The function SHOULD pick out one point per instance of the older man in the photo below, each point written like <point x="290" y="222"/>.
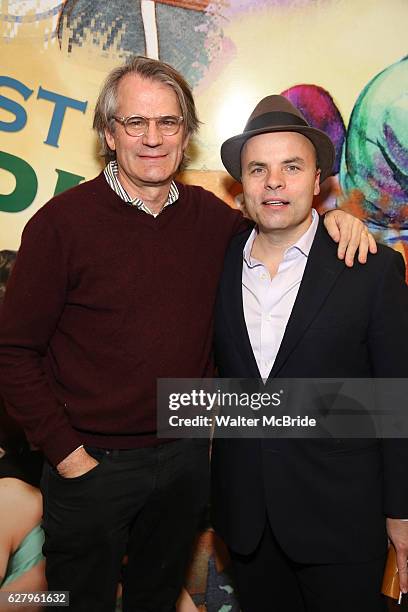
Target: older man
<point x="305" y="519"/>
<point x="114" y="286"/>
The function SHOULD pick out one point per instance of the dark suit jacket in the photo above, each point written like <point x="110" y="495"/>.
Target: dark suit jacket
<point x="326" y="499"/>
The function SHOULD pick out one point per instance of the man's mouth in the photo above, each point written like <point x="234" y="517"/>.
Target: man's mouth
<point x="152" y="156"/>
<point x="275" y="203"/>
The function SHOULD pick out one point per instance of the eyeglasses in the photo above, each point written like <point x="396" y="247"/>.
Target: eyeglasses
<point x="136" y="125"/>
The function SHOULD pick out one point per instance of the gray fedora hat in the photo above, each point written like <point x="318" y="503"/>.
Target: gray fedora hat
<point x="277" y="114"/>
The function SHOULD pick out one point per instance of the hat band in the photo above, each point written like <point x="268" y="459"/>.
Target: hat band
<point x="274" y="120"/>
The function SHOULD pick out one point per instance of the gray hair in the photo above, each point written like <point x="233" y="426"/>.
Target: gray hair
<point x="146" y="68"/>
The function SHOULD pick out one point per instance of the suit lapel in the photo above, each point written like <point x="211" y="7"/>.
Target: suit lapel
<point x="321" y="272"/>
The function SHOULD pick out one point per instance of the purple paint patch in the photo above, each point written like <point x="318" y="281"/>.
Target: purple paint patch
<point x="243" y="7"/>
<point x="321" y="112"/>
<point x="396" y="149"/>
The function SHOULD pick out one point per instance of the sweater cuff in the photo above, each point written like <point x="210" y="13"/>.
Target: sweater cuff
<point x="61" y="445"/>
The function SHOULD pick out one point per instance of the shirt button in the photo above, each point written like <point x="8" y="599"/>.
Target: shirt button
<point x="263" y="276"/>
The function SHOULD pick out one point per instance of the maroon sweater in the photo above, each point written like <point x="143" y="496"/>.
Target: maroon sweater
<point x="103" y="300"/>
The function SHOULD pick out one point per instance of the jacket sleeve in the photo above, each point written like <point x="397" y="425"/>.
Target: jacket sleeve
<point x="388" y="338"/>
<point x="33" y="304"/>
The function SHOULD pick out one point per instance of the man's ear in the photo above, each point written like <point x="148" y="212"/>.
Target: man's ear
<point x="316" y="190"/>
<point x="110" y="139"/>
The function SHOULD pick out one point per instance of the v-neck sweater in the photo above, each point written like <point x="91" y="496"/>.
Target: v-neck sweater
<point x="103" y="300"/>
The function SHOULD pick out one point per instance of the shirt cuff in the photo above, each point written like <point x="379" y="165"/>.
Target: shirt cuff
<point x="82" y="446"/>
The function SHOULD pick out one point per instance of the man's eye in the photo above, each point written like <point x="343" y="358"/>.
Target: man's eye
<point x="258" y="170"/>
<point x="136" y="121"/>
<point x="292" y="168"/>
<point x="168" y="121"/>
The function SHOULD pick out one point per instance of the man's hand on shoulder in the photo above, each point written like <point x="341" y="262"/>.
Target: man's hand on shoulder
<point x="77" y="463"/>
<point x="397" y="530"/>
<point x="351" y="234"/>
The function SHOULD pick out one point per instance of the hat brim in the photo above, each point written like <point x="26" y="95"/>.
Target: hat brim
<point x="231" y="148"/>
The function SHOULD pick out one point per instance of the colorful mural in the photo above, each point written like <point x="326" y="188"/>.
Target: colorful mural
<point x="374" y="168"/>
<point x="179" y="32"/>
<point x="233" y="52"/>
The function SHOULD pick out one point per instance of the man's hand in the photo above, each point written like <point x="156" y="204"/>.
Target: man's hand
<point x="77" y="463"/>
<point x="398" y="533"/>
<point x="351" y="234"/>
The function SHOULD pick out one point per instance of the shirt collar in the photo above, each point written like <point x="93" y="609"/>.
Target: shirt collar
<point x="111" y="173"/>
<point x="303" y="245"/>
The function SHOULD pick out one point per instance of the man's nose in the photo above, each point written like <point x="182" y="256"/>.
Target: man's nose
<point x="274" y="179"/>
<point x="153" y="137"/>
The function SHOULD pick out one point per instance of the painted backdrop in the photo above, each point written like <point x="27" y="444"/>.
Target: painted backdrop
<point x="342" y="61"/>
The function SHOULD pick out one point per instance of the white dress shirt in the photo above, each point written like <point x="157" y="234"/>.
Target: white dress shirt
<point x="268" y="302"/>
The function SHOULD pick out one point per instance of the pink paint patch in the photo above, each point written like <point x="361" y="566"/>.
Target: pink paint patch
<point x="233" y="8"/>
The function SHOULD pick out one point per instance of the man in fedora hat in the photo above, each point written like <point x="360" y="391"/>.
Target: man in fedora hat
<point x="306" y="521"/>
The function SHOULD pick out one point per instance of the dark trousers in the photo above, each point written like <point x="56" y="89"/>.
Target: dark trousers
<point x="268" y="580"/>
<point x="143" y="503"/>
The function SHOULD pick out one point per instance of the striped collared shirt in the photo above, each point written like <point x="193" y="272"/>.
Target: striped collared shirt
<point x="111" y="174"/>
